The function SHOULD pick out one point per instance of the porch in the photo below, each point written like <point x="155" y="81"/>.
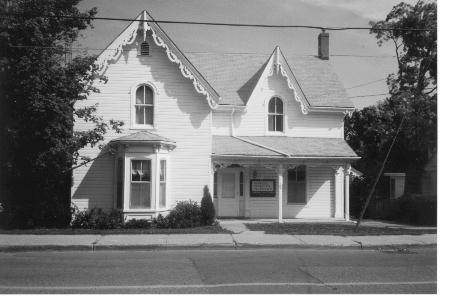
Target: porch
<point x="280" y="177"/>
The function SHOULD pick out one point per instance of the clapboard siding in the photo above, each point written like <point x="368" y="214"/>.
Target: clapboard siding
<point x="253" y="122"/>
<point x="181" y="114"/>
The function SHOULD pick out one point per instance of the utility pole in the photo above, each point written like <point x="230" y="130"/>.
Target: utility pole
<point x="365" y="206"/>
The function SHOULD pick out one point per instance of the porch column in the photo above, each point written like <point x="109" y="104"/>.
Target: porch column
<point x="339" y="192"/>
<point x="347" y="180"/>
<point x="280" y="172"/>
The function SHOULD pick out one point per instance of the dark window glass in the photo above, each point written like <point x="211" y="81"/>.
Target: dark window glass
<point x="241" y="183"/>
<point x="297" y="185"/>
<point x="275" y="115"/>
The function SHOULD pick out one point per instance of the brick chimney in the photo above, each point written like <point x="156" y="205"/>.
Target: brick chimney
<point x="323" y="45"/>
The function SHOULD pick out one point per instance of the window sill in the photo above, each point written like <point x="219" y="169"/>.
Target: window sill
<point x="268" y="133"/>
<point x="144" y="211"/>
<point x="143" y="127"/>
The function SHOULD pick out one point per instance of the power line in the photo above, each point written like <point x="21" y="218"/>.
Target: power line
<point x="230" y="53"/>
<point x="366" y="83"/>
<point x="364" y="96"/>
<point x="5" y="15"/>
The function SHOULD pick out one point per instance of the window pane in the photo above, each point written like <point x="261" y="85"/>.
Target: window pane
<point x="292" y="175"/>
<point x="140" y="114"/>
<point x="146" y="170"/>
<point x="162" y="187"/>
<point x="139" y="95"/>
<point x="291" y="192"/>
<point x="148" y="115"/>
<point x="148" y="95"/>
<point x="135" y="168"/>
<point x="163" y="170"/>
<point x="279" y="123"/>
<point x="241" y="183"/>
<point x="301" y="173"/>
<point x="140" y="196"/>
<point x="119" y="174"/>
<point x="296" y="192"/>
<point x="271" y="105"/>
<point x="279" y="106"/>
<point x="271" y="122"/>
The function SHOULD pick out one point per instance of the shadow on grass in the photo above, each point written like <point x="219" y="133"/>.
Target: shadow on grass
<point x="332" y="229"/>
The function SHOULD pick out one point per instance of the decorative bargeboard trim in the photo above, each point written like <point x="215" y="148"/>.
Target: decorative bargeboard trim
<point x="129" y="36"/>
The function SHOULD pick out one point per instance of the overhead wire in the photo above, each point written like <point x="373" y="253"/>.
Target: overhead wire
<point x="10" y="14"/>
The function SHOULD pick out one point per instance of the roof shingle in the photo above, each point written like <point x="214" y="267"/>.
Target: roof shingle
<point x="293" y="146"/>
<point x="234" y="76"/>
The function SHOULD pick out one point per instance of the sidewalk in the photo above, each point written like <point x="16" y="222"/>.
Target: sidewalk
<point x="245" y="239"/>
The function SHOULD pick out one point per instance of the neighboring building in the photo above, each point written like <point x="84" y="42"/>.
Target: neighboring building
<point x="265" y="135"/>
<point x="396" y="185"/>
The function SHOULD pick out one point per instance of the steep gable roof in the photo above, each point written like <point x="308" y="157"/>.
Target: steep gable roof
<point x="235" y="76"/>
<point x="230" y="79"/>
<point x="146" y="23"/>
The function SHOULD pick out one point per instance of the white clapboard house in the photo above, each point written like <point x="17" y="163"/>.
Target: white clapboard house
<point x="263" y="132"/>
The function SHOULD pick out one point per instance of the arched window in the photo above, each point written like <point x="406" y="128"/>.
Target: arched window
<point x="144" y="105"/>
<point x="275" y="115"/>
<point x="145" y="49"/>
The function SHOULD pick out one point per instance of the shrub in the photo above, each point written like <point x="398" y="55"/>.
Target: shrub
<point x="80" y="220"/>
<point x="407" y="209"/>
<point x="207" y="208"/>
<point x="96" y="219"/>
<point x="185" y="214"/>
<point x="161" y="222"/>
<point x="138" y="223"/>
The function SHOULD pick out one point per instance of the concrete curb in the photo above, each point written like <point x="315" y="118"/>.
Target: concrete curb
<point x="200" y="247"/>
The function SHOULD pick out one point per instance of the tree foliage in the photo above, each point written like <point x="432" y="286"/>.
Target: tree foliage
<point x="412" y="95"/>
<point x="39" y="91"/>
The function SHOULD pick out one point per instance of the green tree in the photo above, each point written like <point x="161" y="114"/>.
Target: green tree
<point x="39" y="91"/>
<point x="412" y="96"/>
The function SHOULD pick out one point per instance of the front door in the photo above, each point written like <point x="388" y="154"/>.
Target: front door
<point x="228" y="203"/>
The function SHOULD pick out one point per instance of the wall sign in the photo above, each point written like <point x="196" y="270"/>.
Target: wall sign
<point x="262" y="188"/>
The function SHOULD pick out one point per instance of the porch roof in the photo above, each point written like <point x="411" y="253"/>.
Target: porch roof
<point x="143" y="137"/>
<point x="281" y="146"/>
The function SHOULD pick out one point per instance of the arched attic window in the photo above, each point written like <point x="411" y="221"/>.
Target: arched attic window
<point x="275" y="115"/>
<point x="144" y="106"/>
<point x="145" y="48"/>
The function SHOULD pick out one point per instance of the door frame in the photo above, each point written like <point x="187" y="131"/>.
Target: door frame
<point x="237" y="197"/>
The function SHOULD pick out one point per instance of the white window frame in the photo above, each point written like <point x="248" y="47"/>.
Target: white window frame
<point x="159" y="158"/>
<point x="284" y="117"/>
<point x="133" y="90"/>
<point x="155" y="158"/>
<point x="306" y="170"/>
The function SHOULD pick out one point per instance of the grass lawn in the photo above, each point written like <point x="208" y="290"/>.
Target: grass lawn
<point x="331" y="229"/>
<point x="201" y="229"/>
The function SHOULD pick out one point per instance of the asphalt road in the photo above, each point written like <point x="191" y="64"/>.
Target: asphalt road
<point x="220" y="271"/>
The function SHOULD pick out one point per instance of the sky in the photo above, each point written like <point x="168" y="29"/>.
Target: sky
<point x="359" y="59"/>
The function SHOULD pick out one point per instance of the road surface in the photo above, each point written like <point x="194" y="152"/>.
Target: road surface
<point x="220" y="271"/>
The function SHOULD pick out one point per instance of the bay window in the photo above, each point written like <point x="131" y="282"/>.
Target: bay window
<point x="140" y="195"/>
<point x="162" y="183"/>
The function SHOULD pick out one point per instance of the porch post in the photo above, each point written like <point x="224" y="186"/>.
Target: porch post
<point x="347" y="180"/>
<point x="280" y="172"/>
<point x="339" y="188"/>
